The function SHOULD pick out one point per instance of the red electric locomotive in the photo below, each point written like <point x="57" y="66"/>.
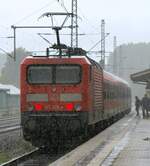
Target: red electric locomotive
<point x="68" y="95"/>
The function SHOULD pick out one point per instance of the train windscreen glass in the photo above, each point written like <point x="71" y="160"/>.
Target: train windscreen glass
<point x="40" y="74"/>
<point x="67" y="74"/>
<point x="54" y="74"/>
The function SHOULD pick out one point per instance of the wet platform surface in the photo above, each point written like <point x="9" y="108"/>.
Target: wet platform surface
<point x="125" y="143"/>
<point x="137" y="150"/>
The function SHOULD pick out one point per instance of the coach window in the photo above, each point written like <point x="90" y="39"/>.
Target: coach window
<point x="122" y="92"/>
<point x="104" y="94"/>
<point x="108" y="91"/>
<point x="105" y="91"/>
<point x="118" y="92"/>
<point x="112" y="92"/>
<point x="90" y="72"/>
<point x="115" y="92"/>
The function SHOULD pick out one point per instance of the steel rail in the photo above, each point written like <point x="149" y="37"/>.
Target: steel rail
<point x="22" y="158"/>
<point x="9" y="125"/>
<point x="9" y="118"/>
<point x="9" y="129"/>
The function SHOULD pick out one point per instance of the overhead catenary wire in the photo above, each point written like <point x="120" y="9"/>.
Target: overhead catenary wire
<point x="81" y="34"/>
<point x="6" y="52"/>
<point x="98" y="42"/>
<point x="88" y="21"/>
<point x="34" y="12"/>
<point x="6" y="37"/>
<point x="61" y="3"/>
<point x="81" y="29"/>
<point x="91" y="25"/>
<point x="3" y="27"/>
<point x="44" y="38"/>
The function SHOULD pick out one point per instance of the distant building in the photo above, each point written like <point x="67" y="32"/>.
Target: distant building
<point x="9" y="99"/>
<point x="142" y="77"/>
<point x="12" y="90"/>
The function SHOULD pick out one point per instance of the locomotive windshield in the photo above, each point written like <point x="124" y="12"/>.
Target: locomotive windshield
<point x="67" y="74"/>
<point x="54" y="74"/>
<point x="40" y="74"/>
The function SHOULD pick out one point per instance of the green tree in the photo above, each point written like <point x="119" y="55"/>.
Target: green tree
<point x="11" y="71"/>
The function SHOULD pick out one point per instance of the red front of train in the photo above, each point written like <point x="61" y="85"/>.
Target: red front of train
<point x="55" y="96"/>
<point x="67" y="96"/>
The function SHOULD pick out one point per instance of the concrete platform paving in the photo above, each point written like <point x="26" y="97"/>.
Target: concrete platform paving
<point x="125" y="143"/>
<point x="137" y="150"/>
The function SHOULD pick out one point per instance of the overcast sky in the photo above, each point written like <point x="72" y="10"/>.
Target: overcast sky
<point x="129" y="20"/>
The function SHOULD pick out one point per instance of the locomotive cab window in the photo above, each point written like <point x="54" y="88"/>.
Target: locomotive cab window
<point x="67" y="74"/>
<point x="54" y="74"/>
<point x="40" y="74"/>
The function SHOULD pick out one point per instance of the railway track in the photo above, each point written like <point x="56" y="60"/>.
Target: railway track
<point x="42" y="156"/>
<point x="9" y="128"/>
<point x="9" y="124"/>
<point x="9" y="119"/>
<point x="37" y="157"/>
<point x="17" y="161"/>
<point x="94" y="151"/>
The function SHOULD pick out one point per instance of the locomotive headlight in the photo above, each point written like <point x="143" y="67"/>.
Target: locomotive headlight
<point x="78" y="107"/>
<point x="69" y="106"/>
<point x="38" y="107"/>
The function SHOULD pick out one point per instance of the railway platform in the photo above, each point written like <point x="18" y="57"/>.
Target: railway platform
<point x="136" y="152"/>
<point x="125" y="143"/>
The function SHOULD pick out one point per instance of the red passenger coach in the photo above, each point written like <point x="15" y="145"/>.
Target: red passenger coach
<point x="68" y="96"/>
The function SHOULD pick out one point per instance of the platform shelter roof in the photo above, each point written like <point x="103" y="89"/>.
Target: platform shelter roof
<point x="10" y="89"/>
<point x="142" y="76"/>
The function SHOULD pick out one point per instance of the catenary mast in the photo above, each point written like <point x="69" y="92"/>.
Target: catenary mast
<point x="102" y="62"/>
<point x="74" y="25"/>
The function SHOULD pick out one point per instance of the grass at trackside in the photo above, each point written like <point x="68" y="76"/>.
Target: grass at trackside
<point x="16" y="149"/>
<point x="3" y="157"/>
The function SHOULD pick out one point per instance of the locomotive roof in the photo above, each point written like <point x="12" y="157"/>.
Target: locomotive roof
<point x="88" y="59"/>
<point x="107" y="75"/>
<point x="83" y="60"/>
<point x="114" y="78"/>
